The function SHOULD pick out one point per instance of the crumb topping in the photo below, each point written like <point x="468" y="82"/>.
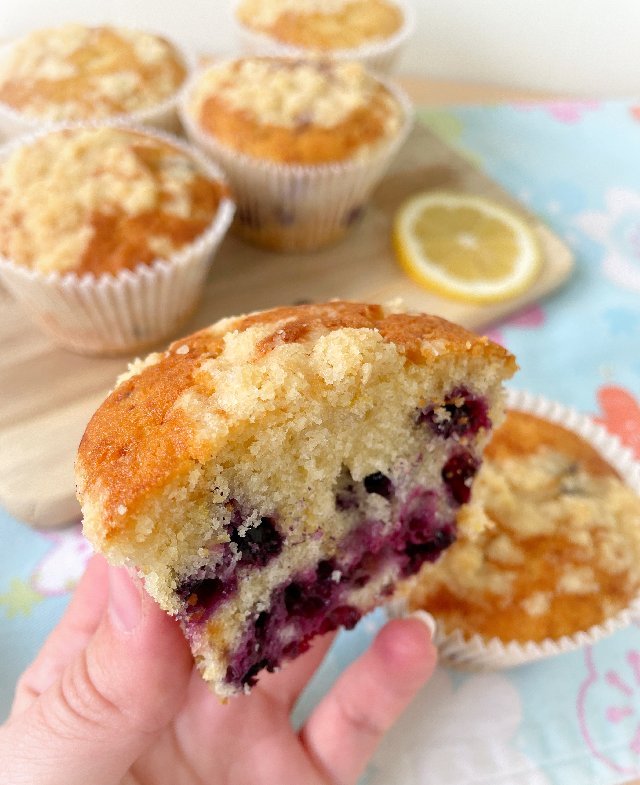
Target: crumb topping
<point x="562" y="551"/>
<point x="184" y="403"/>
<point x="73" y="72"/>
<point x="121" y="198"/>
<point x="293" y="93"/>
<point x="323" y="24"/>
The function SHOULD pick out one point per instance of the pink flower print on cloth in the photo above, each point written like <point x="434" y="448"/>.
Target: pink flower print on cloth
<point x="621" y="416"/>
<point x="608" y="707"/>
<point x="563" y="111"/>
<point x="617" y="229"/>
<point x="62" y="566"/>
<point x="527" y="319"/>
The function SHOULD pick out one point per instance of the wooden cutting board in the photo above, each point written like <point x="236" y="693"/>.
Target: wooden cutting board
<point x="47" y="395"/>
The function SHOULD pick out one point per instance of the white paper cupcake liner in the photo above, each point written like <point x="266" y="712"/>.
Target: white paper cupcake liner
<point x="163" y="115"/>
<point x="297" y="207"/>
<point x="478" y="653"/>
<point x="133" y="309"/>
<point x="381" y="56"/>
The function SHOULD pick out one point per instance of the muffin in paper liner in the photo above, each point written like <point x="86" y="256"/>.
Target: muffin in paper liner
<point x="481" y="653"/>
<point x="111" y="314"/>
<point x="162" y="115"/>
<point x="380" y="56"/>
<point x="297" y="207"/>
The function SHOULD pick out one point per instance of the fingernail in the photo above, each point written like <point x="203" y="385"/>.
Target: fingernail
<point x="125" y="599"/>
<point x="427" y="619"/>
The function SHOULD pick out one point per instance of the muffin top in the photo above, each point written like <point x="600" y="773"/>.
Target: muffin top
<point x="177" y="410"/>
<point x="99" y="200"/>
<point x="295" y="111"/>
<point x="75" y="72"/>
<point x="560" y="551"/>
<point x="323" y="25"/>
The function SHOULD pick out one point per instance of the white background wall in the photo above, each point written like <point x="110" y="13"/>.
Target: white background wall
<point x="578" y="46"/>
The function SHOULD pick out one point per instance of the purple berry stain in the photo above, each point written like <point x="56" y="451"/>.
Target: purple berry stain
<point x="457" y="474"/>
<point x="201" y="596"/>
<point x="259" y="544"/>
<point x="317" y="601"/>
<point x="462" y="414"/>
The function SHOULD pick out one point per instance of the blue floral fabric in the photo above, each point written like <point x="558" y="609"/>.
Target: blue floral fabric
<point x="570" y="720"/>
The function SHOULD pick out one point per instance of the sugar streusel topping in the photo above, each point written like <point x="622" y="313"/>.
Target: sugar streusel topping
<point x="262" y="13"/>
<point x="100" y="199"/>
<point x="561" y="554"/>
<point x="322" y="24"/>
<point x="74" y="72"/>
<point x="287" y="93"/>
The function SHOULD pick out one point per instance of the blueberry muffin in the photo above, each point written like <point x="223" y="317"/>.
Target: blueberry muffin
<point x="559" y="551"/>
<point x="272" y="477"/>
<point x="135" y="219"/>
<point x="303" y="141"/>
<point x="367" y="30"/>
<point x="74" y="72"/>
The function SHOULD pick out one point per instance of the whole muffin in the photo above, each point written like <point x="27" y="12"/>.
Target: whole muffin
<point x="303" y="141"/>
<point x="272" y="476"/>
<point x="107" y="232"/>
<point x="370" y="31"/>
<point x="558" y="555"/>
<point x="75" y="72"/>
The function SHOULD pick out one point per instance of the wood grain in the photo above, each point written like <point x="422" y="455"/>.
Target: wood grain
<point x="47" y="394"/>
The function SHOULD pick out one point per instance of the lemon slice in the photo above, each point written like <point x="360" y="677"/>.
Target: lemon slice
<point x="466" y="247"/>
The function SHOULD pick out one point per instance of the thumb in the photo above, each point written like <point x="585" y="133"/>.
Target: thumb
<point x="109" y="702"/>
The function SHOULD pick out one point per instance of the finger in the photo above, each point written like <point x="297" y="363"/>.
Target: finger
<point x="344" y="730"/>
<point x="109" y="703"/>
<point x="70" y="637"/>
<point x="285" y="685"/>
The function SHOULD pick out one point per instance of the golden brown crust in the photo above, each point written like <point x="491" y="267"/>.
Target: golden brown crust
<point x="413" y="334"/>
<point x="121" y="242"/>
<point x="123" y="198"/>
<point x="311" y="30"/>
<point x="101" y="56"/>
<point x="572" y="566"/>
<point x="523" y="434"/>
<point x="345" y="25"/>
<point x="137" y="441"/>
<point x="303" y="145"/>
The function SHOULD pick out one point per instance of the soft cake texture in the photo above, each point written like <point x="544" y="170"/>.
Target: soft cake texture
<point x="272" y="476"/>
<point x="75" y="72"/>
<point x="559" y="549"/>
<point x="322" y="25"/>
<point x="122" y="198"/>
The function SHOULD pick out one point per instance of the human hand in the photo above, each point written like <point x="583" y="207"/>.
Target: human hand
<point x="113" y="698"/>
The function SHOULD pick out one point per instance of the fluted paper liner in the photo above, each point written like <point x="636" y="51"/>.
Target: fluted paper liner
<point x="381" y="56"/>
<point x="162" y="116"/>
<point x="478" y="653"/>
<point x="133" y="309"/>
<point x="297" y="207"/>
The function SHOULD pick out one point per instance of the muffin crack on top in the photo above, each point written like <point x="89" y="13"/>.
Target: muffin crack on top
<point x="274" y="475"/>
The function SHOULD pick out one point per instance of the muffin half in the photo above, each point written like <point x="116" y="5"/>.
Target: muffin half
<point x="272" y="476"/>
